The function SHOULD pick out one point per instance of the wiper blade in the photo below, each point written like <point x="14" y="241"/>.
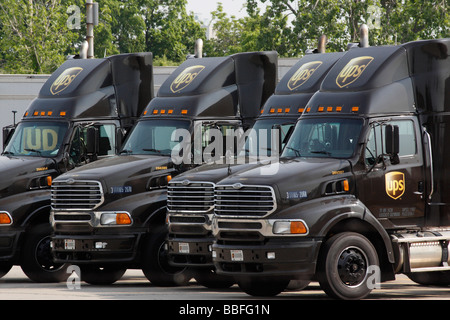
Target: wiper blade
<point x="297" y="152"/>
<point x="152" y="150"/>
<point x="125" y="151"/>
<point x="322" y="152"/>
<point x="33" y="150"/>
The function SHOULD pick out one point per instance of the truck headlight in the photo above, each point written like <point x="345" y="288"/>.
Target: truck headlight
<point x="290" y="227"/>
<point x="115" y="218"/>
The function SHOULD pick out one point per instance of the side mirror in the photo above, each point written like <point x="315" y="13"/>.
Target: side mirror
<point x="92" y="139"/>
<point x="392" y="142"/>
<point x="7" y="134"/>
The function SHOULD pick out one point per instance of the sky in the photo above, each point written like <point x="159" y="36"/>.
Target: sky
<point x="203" y="8"/>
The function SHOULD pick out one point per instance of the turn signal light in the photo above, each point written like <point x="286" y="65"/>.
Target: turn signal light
<point x="123" y="218"/>
<point x="5" y="218"/>
<point x="298" y="227"/>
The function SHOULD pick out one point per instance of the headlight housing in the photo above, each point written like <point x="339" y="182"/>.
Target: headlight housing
<point x="116" y="218"/>
<point x="290" y="227"/>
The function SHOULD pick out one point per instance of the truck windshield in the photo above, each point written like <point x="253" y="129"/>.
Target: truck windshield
<point x="324" y="137"/>
<point x="37" y="139"/>
<point x="260" y="141"/>
<point x="153" y="137"/>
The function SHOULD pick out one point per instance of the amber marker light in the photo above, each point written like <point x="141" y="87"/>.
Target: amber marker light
<point x="62" y="113"/>
<point x="184" y="111"/>
<point x="123" y="219"/>
<point x="345" y="185"/>
<point x="5" y="218"/>
<point x="49" y="180"/>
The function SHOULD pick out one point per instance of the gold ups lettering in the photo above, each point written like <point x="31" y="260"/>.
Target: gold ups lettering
<point x="65" y="79"/>
<point x="353" y="70"/>
<point x="303" y="74"/>
<point x="185" y="78"/>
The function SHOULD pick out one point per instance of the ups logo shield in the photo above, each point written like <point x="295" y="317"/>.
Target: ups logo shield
<point x="353" y="70"/>
<point x="395" y="184"/>
<point x="185" y="78"/>
<point x="65" y="79"/>
<point x="303" y="74"/>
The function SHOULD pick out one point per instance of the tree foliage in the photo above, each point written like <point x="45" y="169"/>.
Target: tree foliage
<point x="35" y="36"/>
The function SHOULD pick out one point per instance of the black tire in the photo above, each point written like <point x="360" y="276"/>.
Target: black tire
<point x="263" y="287"/>
<point x="4" y="268"/>
<point x="36" y="259"/>
<point x="210" y="279"/>
<point x="156" y="265"/>
<point x="435" y="278"/>
<point x="98" y="275"/>
<point x="343" y="266"/>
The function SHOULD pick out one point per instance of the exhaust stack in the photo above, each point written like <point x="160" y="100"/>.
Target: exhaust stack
<point x="364" y="36"/>
<point x="198" y="49"/>
<point x="322" y="44"/>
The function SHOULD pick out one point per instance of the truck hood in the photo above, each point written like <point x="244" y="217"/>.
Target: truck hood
<point x="214" y="172"/>
<point x="18" y="172"/>
<point x="294" y="179"/>
<point x="119" y="171"/>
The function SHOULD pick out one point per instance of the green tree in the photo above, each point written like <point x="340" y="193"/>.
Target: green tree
<point x="34" y="37"/>
<point x="169" y="30"/>
<point x="391" y="21"/>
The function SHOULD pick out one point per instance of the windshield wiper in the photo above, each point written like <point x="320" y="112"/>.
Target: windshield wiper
<point x="33" y="150"/>
<point x="125" y="151"/>
<point x="297" y="152"/>
<point x="152" y="150"/>
<point x="322" y="152"/>
<point x="8" y="152"/>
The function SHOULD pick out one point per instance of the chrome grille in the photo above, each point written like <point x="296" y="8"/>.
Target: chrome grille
<point x="244" y="200"/>
<point x="186" y="196"/>
<point x="76" y="195"/>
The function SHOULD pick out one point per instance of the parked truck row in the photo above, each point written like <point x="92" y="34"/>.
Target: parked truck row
<point x="360" y="191"/>
<point x="347" y="184"/>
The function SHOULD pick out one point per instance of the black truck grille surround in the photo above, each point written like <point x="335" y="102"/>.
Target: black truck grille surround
<point x="190" y="197"/>
<point x="76" y="195"/>
<point x="244" y="200"/>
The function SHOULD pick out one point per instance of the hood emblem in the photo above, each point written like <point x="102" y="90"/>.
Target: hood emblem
<point x="237" y="186"/>
<point x="70" y="181"/>
<point x="185" y="182"/>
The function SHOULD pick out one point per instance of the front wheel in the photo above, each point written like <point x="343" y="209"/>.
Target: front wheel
<point x="37" y="261"/>
<point x="344" y="265"/>
<point x="156" y="265"/>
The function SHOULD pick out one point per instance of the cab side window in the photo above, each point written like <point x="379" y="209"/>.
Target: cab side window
<point x="106" y="143"/>
<point x="376" y="147"/>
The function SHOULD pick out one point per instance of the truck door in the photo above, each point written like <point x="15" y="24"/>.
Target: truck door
<point x="393" y="189"/>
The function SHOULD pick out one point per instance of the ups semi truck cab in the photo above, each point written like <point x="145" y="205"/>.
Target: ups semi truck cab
<point x="117" y="218"/>
<point x="81" y="114"/>
<point x="361" y="193"/>
<point x="191" y="194"/>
